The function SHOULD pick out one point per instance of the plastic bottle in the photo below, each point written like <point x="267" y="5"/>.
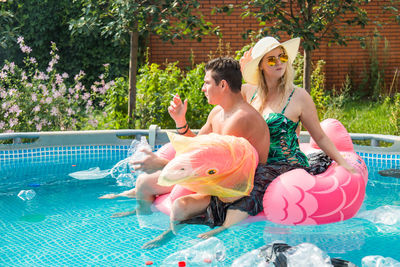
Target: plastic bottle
<point x="138" y="154"/>
<point x="123" y="171"/>
<point x="26" y="194"/>
<point x="211" y="251"/>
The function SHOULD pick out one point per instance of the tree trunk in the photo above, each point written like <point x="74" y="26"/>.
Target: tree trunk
<point x="307" y="71"/>
<point x="134" y="35"/>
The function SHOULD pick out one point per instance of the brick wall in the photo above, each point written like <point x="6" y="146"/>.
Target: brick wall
<point x="340" y="60"/>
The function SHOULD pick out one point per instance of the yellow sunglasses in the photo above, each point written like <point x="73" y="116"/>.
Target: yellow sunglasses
<point x="283" y="58"/>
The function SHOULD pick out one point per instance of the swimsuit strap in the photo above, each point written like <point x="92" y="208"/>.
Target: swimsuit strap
<point x="287" y="103"/>
<point x="252" y="98"/>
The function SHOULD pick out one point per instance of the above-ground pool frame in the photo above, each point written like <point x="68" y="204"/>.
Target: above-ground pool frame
<point x="12" y="142"/>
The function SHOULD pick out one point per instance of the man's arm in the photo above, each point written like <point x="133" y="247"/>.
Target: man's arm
<point x="207" y="127"/>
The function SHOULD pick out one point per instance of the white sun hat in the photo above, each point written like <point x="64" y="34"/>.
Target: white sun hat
<point x="262" y="47"/>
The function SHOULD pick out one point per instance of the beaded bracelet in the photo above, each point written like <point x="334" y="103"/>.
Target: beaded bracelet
<point x="187" y="129"/>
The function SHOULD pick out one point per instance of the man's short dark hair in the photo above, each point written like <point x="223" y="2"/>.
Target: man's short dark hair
<point x="228" y="69"/>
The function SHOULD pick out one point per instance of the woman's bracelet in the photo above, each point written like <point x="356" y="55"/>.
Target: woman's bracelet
<point x="184" y="126"/>
<point x="187" y="129"/>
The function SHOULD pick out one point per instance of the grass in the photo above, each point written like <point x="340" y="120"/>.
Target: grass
<point x="364" y="116"/>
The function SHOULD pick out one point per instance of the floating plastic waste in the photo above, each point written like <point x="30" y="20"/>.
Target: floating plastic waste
<point x="26" y="194"/>
<point x="210" y="252"/>
<point x="388" y="214"/>
<point x="281" y="254"/>
<point x="90" y="174"/>
<point x="122" y="171"/>
<point x="250" y="259"/>
<point x="379" y="261"/>
<point x="307" y="254"/>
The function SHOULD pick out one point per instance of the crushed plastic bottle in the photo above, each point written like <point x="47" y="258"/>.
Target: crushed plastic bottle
<point x="126" y="179"/>
<point x="132" y="147"/>
<point x="138" y="153"/>
<point x="212" y="251"/>
<point x="307" y="254"/>
<point x="251" y="259"/>
<point x="123" y="172"/>
<point x="281" y="254"/>
<point x="379" y="261"/>
<point x="26" y="194"/>
<point x="90" y="174"/>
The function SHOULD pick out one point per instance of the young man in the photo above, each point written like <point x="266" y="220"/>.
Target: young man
<point x="232" y="115"/>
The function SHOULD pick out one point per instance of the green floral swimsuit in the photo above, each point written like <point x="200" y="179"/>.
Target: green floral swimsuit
<point x="284" y="144"/>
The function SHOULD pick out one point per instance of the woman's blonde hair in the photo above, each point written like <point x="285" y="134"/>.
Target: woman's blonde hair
<point x="285" y="83"/>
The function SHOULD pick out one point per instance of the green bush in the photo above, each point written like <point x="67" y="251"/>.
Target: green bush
<point x="115" y="114"/>
<point x="317" y="92"/>
<point x="43" y="22"/>
<point x="35" y="100"/>
<point x="156" y="87"/>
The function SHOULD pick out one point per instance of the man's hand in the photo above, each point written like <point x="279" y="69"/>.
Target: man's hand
<point x="151" y="162"/>
<point x="177" y="110"/>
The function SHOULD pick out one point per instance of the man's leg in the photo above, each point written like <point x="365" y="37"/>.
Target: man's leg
<point x="183" y="208"/>
<point x="146" y="191"/>
<point x="131" y="193"/>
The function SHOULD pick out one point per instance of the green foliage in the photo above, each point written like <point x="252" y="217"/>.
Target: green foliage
<point x="311" y="20"/>
<point x="320" y="98"/>
<point x="298" y="65"/>
<point x="35" y="100"/>
<point x="373" y="77"/>
<point x="198" y="107"/>
<point x="168" y="19"/>
<point x="7" y="26"/>
<point x="338" y="99"/>
<point x="117" y="18"/>
<point x="393" y="8"/>
<point x="317" y="92"/>
<point x="43" y="22"/>
<point x="115" y="114"/>
<point x="365" y="116"/>
<point x="393" y="105"/>
<point x="156" y="87"/>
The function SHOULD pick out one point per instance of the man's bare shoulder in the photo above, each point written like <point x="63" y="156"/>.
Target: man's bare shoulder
<point x="247" y="116"/>
<point x="248" y="111"/>
<point x="214" y="111"/>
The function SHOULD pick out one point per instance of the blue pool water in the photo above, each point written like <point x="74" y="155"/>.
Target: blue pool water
<point x="66" y="224"/>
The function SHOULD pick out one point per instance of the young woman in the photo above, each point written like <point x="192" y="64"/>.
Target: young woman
<point x="267" y="69"/>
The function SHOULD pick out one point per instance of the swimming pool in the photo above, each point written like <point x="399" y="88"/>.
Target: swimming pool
<point x="65" y="223"/>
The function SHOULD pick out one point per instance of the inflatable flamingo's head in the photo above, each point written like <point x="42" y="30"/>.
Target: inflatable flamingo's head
<point x="335" y="130"/>
<point x="212" y="164"/>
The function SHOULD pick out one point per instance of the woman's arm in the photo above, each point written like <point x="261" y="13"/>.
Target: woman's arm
<point x="248" y="90"/>
<point x="309" y="119"/>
